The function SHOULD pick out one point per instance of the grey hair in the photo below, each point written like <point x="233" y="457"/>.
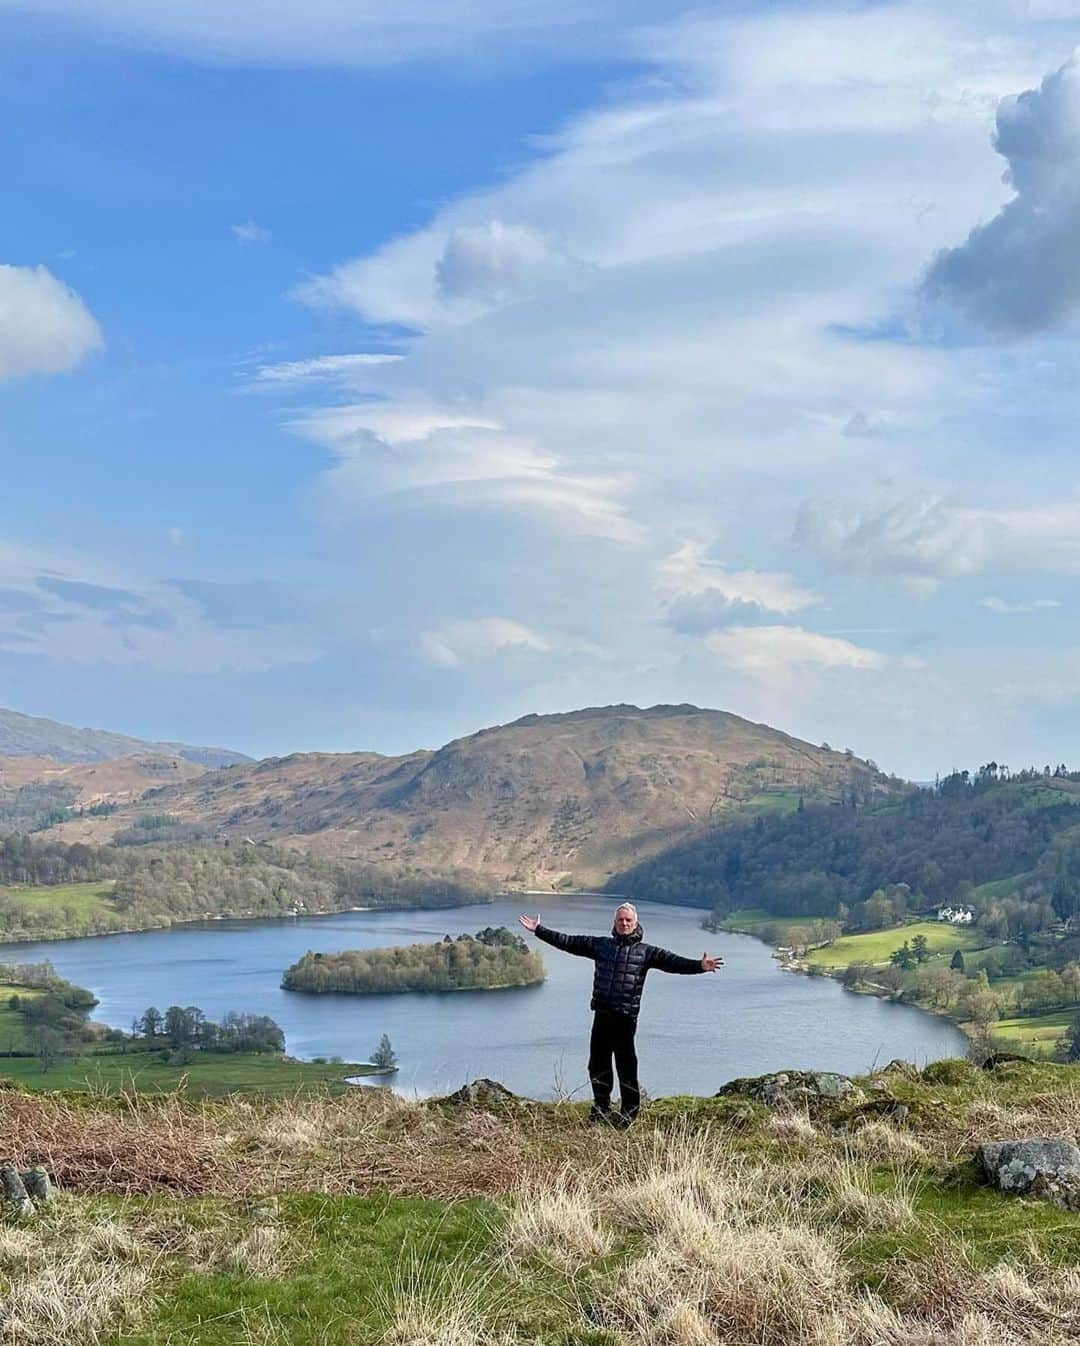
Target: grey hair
<point x="626" y="906"/>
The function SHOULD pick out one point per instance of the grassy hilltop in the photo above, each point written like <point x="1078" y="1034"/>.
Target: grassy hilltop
<point x="370" y="1219"/>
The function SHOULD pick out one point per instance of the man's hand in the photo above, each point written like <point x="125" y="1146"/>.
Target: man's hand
<point x="529" y="922"/>
<point x="711" y="964"/>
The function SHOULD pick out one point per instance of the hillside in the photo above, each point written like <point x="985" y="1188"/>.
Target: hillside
<point x="35" y="791"/>
<point x="791" y="1218"/>
<point x="31" y="736"/>
<point x="547" y="800"/>
<point x="985" y="841"/>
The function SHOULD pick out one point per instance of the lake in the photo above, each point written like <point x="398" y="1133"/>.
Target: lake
<point x="694" y="1033"/>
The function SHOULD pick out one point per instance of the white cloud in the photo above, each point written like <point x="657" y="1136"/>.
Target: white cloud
<point x="321" y="367"/>
<point x="779" y="650"/>
<point x="45" y="328"/>
<point x="412" y="456"/>
<point x="919" y="541"/>
<point x="454" y="643"/>
<point x="250" y="232"/>
<point x="700" y="594"/>
<point x="494" y="262"/>
<point x="1020" y="272"/>
<point x="1001" y="605"/>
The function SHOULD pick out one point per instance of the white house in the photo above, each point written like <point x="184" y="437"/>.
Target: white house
<point x="956" y="915"/>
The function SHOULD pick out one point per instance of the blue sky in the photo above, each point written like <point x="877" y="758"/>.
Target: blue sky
<point x="369" y="378"/>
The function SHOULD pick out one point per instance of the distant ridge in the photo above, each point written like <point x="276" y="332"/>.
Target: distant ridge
<point x="549" y="801"/>
<point x="32" y="736"/>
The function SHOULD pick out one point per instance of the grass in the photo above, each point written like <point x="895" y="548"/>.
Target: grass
<point x="748" y="920"/>
<point x="209" y="1076"/>
<point x="1041" y="1032"/>
<point x="69" y="909"/>
<point x="369" y="1219"/>
<point x="875" y="946"/>
<point x="780" y="802"/>
<point x="998" y="888"/>
<point x="12" y="1024"/>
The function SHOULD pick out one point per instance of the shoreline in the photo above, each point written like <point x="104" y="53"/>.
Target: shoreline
<point x="422" y="990"/>
<point x="216" y="917"/>
<point x="799" y="966"/>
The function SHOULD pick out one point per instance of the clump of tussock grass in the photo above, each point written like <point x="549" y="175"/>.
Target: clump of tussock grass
<point x="1029" y="1301"/>
<point x="453" y="1306"/>
<point x="554" y="1221"/>
<point x="879" y="1142"/>
<point x="72" y="1302"/>
<point x="790" y="1128"/>
<point x="773" y="1285"/>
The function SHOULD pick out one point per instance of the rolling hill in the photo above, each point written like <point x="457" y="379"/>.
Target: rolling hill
<point x="31" y="736"/>
<point x="549" y="800"/>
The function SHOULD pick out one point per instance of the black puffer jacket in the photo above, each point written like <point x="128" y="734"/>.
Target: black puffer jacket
<point x="622" y="963"/>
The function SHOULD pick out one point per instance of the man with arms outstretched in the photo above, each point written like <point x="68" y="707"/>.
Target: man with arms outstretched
<point x="622" y="963"/>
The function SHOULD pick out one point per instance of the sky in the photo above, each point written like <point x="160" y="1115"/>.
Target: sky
<point x="370" y="374"/>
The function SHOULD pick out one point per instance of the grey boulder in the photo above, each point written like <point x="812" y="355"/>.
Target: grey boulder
<point x="1049" y="1169"/>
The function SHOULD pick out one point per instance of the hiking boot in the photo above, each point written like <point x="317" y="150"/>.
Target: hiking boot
<point x="599" y="1116"/>
<point x="622" y="1120"/>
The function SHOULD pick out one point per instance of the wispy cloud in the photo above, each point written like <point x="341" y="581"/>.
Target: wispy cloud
<point x="250" y="232"/>
<point x="1035" y="605"/>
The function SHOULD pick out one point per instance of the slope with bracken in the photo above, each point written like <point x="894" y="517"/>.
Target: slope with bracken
<point x="546" y="800"/>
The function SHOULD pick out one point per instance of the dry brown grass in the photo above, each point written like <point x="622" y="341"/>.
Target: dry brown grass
<point x="72" y="1277"/>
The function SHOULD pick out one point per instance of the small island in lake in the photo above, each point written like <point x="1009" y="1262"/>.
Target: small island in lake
<point x="491" y="960"/>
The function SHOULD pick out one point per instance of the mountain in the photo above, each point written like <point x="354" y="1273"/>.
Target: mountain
<point x="549" y="800"/>
<point x="30" y="736"/>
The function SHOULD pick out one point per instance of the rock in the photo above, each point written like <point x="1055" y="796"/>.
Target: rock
<point x="793" y="1087"/>
<point x="481" y="1094"/>
<point x="997" y="1059"/>
<point x="37" y="1184"/>
<point x="899" y="1067"/>
<point x="15" y="1190"/>
<point x="829" y="1085"/>
<point x="1049" y="1169"/>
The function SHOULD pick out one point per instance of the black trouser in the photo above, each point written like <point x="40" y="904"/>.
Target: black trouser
<point x="613" y="1035"/>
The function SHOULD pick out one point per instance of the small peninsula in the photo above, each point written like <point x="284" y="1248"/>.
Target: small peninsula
<point x="491" y="960"/>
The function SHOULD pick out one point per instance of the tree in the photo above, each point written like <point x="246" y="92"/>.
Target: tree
<point x="49" y="1045"/>
<point x="920" y="948"/>
<point x="150" y="1024"/>
<point x="957" y="961"/>
<point x="384" y="1056"/>
<point x="903" y="957"/>
<point x="1070" y="1043"/>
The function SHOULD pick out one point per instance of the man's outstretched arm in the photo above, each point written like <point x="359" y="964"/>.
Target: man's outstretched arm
<point x="666" y="961"/>
<point x="582" y="945"/>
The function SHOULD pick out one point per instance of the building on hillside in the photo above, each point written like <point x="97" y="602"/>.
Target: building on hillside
<point x="956" y="915"/>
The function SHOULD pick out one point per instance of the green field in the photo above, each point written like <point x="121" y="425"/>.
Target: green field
<point x="210" y="1076"/>
<point x="64" y="909"/>
<point x="748" y="920"/>
<point x="876" y="946"/>
<point x="1041" y="1032"/>
<point x="12" y="1025"/>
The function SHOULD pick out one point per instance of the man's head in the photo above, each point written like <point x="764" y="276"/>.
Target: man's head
<point x="626" y="919"/>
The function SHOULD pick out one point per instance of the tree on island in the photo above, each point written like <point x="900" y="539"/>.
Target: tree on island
<point x="384" y="1057"/>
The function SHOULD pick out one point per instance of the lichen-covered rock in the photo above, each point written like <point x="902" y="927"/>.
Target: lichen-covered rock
<point x="481" y="1094"/>
<point x="793" y="1087"/>
<point x="1049" y="1169"/>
